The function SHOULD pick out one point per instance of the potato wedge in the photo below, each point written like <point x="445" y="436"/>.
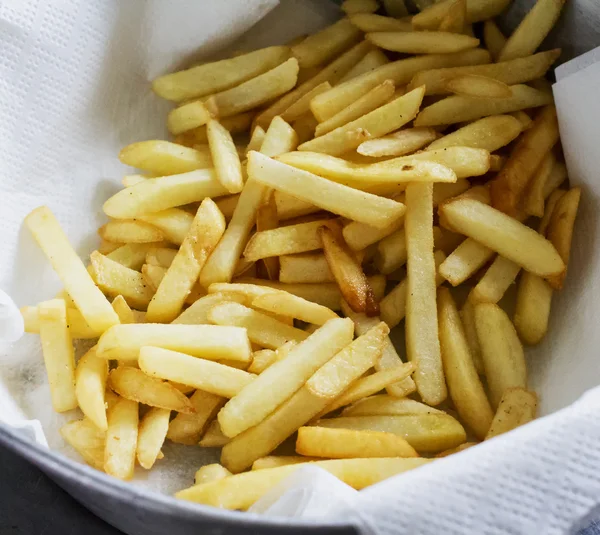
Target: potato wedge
<point x="517" y="407"/>
<point x="151" y="436"/>
<point x="90" y="385"/>
<point x="188" y="428"/>
<point x="121" y="439"/>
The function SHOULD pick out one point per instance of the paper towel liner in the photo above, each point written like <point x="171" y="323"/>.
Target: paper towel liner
<point x="74" y="89"/>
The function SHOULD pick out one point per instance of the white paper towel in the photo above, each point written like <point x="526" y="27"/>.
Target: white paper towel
<point x="74" y="89"/>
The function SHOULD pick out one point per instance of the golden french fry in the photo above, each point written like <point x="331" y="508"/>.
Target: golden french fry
<point x="236" y="124"/>
<point x="399" y="143"/>
<point x="274" y="461"/>
<point x="464" y="385"/>
<point x="279" y="138"/>
<point x="197" y="314"/>
<point x="534" y="200"/>
<point x="359" y="6"/>
<point x="517" y="407"/>
<point x="372" y="60"/>
<point x="174" y="224"/>
<point x="160" y="256"/>
<point x="445" y="240"/>
<point x="256" y="140"/>
<point x="532" y="30"/>
<point x="501" y="350"/>
<point x="359" y="236"/>
<point x="261" y="360"/>
<point x="210" y="472"/>
<point x="348" y="444"/>
<point x="90" y="385"/>
<point x="303" y="268"/>
<point x="422" y="42"/>
<point x="476" y="86"/>
<point x="164" y="158"/>
<point x="442" y="192"/>
<point x="458" y="449"/>
<point x="123" y="310"/>
<point x="293" y="306"/>
<point x="213" y="437"/>
<point x="497" y="279"/>
<point x="465" y="261"/>
<point x="151" y="436"/>
<point x="77" y="326"/>
<point x="395" y="8"/>
<point x="188" y="428"/>
<point x="477" y="10"/>
<point x="226" y="160"/>
<point x="532" y="310"/>
<point x="87" y="439"/>
<point x="493" y="38"/>
<point x="187" y="117"/>
<point x="369" y="22"/>
<point x="130" y="231"/>
<point x="385" y="405"/>
<point x="455" y="19"/>
<point x="121" y="439"/>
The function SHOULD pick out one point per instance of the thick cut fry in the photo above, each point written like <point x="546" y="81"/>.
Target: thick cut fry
<point x="293" y="306"/>
<point x="187" y="116"/>
<point x="372" y="100"/>
<point x="156" y="194"/>
<point x="151" y="436"/>
<point x="262" y="329"/>
<point x="532" y="30"/>
<point x="90" y="385"/>
<point x="465" y="261"/>
<point x="57" y="348"/>
<point x="458" y="109"/>
<point x="359" y="6"/>
<point x="202" y="374"/>
<point x="301" y="268"/>
<point x="398" y="144"/>
<point x="121" y="439"/>
<point x="164" y="158"/>
<point x="87" y="440"/>
<point x="359" y="236"/>
<point x="501" y="350"/>
<point x="368" y="22"/>
<point x="94" y="307"/>
<point x="372" y="60"/>
<point x="426" y="433"/>
<point x="256" y="91"/>
<point x="464" y="385"/>
<point x="476" y="86"/>
<point x="517" y="407"/>
<point x="130" y="231"/>
<point x="132" y="383"/>
<point x="422" y="42"/>
<point x="477" y="10"/>
<point x="174" y="224"/>
<point x="284" y="377"/>
<point x="532" y="311"/>
<point x="322" y="46"/>
<point x="348" y="444"/>
<point x="516" y="71"/>
<point x="204" y="235"/>
<point x="384" y="405"/>
<point x="225" y="157"/>
<point x="340" y="199"/>
<point x="503" y="234"/>
<point x="493" y="38"/>
<point x="217" y="76"/>
<point x="560" y="230"/>
<point x="400" y="72"/>
<point x="242" y="490"/>
<point x="77" y="326"/>
<point x="526" y="157"/>
<point x="490" y="133"/>
<point x="188" y="428"/>
<point x="497" y="279"/>
<point x="210" y="472"/>
<point x="206" y="341"/>
<point x="422" y="344"/>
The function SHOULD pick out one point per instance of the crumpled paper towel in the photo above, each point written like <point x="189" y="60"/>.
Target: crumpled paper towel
<point x="74" y="89"/>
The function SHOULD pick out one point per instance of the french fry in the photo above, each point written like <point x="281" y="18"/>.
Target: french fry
<point x="517" y="407"/>
<point x="256" y="140"/>
<point x="426" y="433"/>
<point x="106" y="247"/>
<point x="476" y="86"/>
<point x="274" y="461"/>
<point x="242" y="490"/>
<point x="399" y="143"/>
<point x="261" y="360"/>
<point x="132" y="255"/>
<point x="216" y="76"/>
<point x="153" y="276"/>
<point x="293" y="306"/>
<point x="188" y="428"/>
<point x="376" y="97"/>
<point x="226" y="160"/>
<point x="236" y="124"/>
<point x="467" y="315"/>
<point x="163" y="157"/>
<point x="445" y="240"/>
<point x="534" y="200"/>
<point x="202" y="374"/>
<point x="385" y="405"/>
<point x="130" y="231"/>
<point x="90" y="385"/>
<point x="359" y="6"/>
<point x="151" y="436"/>
<point x="525" y="158"/>
<point x="160" y="256"/>
<point x="348" y="444"/>
<point x="94" y="307"/>
<point x="458" y="449"/>
<point x="478" y="10"/>
<point x="359" y="236"/>
<point x="206" y="341"/>
<point x="456" y="109"/>
<point x="497" y="279"/>
<point x="322" y="46"/>
<point x="422" y="342"/>
<point x="516" y="71"/>
<point x="280" y="138"/>
<point x="268" y="219"/>
<point x="187" y="116"/>
<point x="493" y="38"/>
<point x="464" y="385"/>
<point x="87" y="440"/>
<point x="560" y="230"/>
<point x="213" y="437"/>
<point x="455" y="19"/>
<point x="400" y="72"/>
<point x="132" y="383"/>
<point x="423" y="42"/>
<point x="123" y="310"/>
<point x="210" y="472"/>
<point x="302" y="105"/>
<point x="441" y="192"/>
<point x="532" y="30"/>
<point x="373" y="59"/>
<point x="465" y="261"/>
<point x="303" y="268"/>
<point x="57" y="348"/>
<point x="503" y="234"/>
<point x="174" y="224"/>
<point x="356" y="205"/>
<point x="284" y="377"/>
<point x="369" y="22"/>
<point x="197" y="314"/>
<point x="501" y="350"/>
<point x="121" y="439"/>
<point x="391" y="252"/>
<point x="395" y="8"/>
<point x="77" y="326"/>
<point x="532" y="310"/>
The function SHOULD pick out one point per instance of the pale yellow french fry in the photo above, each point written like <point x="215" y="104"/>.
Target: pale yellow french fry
<point x="261" y="360"/>
<point x="385" y="405"/>
<point x="303" y="268"/>
<point x="153" y="276"/>
<point x="188" y="428"/>
<point x="242" y="490"/>
<point x="476" y="86"/>
<point x="349" y="444"/>
<point x="163" y="157"/>
<point x="217" y="76"/>
<point x="516" y="71"/>
<point x="78" y="328"/>
<point x="422" y="342"/>
<point x="187" y="116"/>
<point x="160" y="256"/>
<point x="274" y="461"/>
<point x="467" y="315"/>
<point x="391" y="252"/>
<point x="197" y="313"/>
<point x="279" y="138"/>
<point x="210" y="472"/>
<point x="456" y="109"/>
<point x="322" y="46"/>
<point x="422" y="43"/>
<point x="123" y="310"/>
<point x="345" y="201"/>
<point x="302" y="105"/>
<point x="426" y="433"/>
<point x="441" y="192"/>
<point x="130" y="231"/>
<point x="151" y="436"/>
<point x="369" y="22"/>
<point x="532" y="311"/>
<point x="206" y="341"/>
<point x="501" y="350"/>
<point x="359" y="236"/>
<point x="94" y="307"/>
<point x="464" y="385"/>
<point x="517" y="407"/>
<point x="398" y="144"/>
<point x="225" y="157"/>
<point x="493" y="38"/>
<point x="372" y="60"/>
<point x="87" y="439"/>
<point x="213" y="437"/>
<point x="455" y="19"/>
<point x="465" y="261"/>
<point x="400" y="72"/>
<point x="370" y="101"/>
<point x="534" y="200"/>
<point x="106" y="247"/>
<point x="293" y="306"/>
<point x="121" y="439"/>
<point x="477" y="10"/>
<point x="90" y="385"/>
<point x="174" y="224"/>
<point x="532" y="30"/>
<point x="497" y="279"/>
<point x="359" y="6"/>
<point x="236" y="124"/>
<point x="256" y="141"/>
<point x="284" y="377"/>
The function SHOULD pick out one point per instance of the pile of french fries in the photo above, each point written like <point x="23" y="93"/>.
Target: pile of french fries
<point x="314" y="197"/>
